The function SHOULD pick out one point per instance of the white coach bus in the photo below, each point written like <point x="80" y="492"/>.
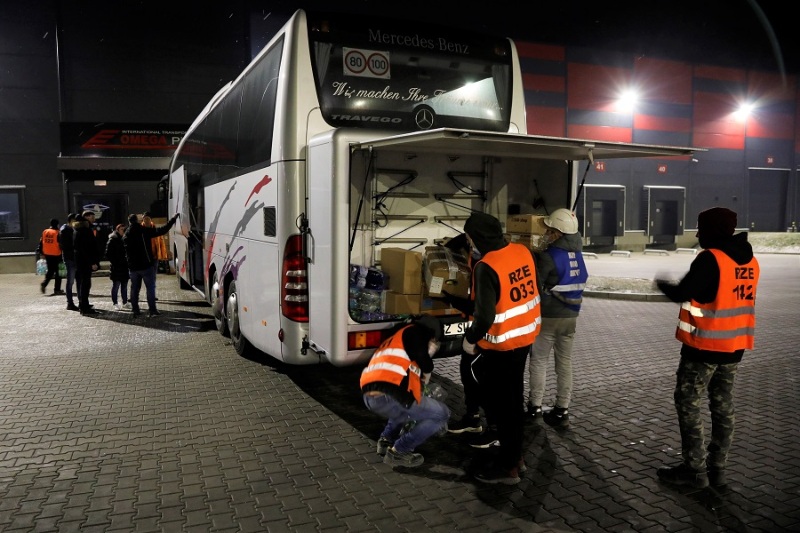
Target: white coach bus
<point x="342" y="137"/>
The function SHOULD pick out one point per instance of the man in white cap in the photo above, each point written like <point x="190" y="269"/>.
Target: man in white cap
<point x="562" y="276"/>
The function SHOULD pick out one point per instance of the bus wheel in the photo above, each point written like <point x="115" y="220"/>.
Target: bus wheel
<point x="240" y="343"/>
<point x="217" y="308"/>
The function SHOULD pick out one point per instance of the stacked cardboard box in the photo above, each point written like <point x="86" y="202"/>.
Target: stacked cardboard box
<point x="406" y="294"/>
<point x="446" y="271"/>
<point x="528" y="230"/>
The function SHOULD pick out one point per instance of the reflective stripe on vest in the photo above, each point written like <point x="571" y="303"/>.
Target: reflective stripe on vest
<point x="728" y="323"/>
<point x="390" y="364"/>
<point x="572" y="273"/>
<point x="517" y="312"/>
<point x="50" y="242"/>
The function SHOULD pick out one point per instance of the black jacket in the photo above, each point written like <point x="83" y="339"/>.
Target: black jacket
<point x="86" y="253"/>
<point x="115" y="253"/>
<point x="137" y="243"/>
<point x="701" y="283"/>
<point x="66" y="237"/>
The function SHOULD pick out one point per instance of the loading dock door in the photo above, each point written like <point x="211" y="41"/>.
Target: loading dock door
<point x="769" y="190"/>
<point x="664" y="211"/>
<point x="602" y="212"/>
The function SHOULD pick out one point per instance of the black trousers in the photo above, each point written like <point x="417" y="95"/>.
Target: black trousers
<point x="502" y="389"/>
<point x="83" y="279"/>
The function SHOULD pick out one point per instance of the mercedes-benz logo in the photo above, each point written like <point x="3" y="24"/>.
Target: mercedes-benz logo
<point x="424" y="118"/>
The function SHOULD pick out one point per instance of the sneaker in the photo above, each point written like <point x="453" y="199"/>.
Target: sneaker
<point x="683" y="475"/>
<point x="717" y="478"/>
<point x="558" y="417"/>
<point x="468" y="424"/>
<point x="73" y="307"/>
<point x="58" y="291"/>
<point x="153" y="313"/>
<point x="533" y="411"/>
<point x="383" y="445"/>
<point x="395" y="458"/>
<point x="126" y="305"/>
<point x="485" y="440"/>
<point x="494" y="474"/>
<point x="117" y="307"/>
<point x="522" y="467"/>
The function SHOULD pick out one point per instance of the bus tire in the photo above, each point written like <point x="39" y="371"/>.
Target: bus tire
<point x="240" y="343"/>
<point x="218" y="308"/>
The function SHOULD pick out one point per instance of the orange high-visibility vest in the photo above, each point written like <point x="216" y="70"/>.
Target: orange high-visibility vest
<point x="390" y="364"/>
<point x="50" y="242"/>
<point x="517" y="313"/>
<point x="728" y="323"/>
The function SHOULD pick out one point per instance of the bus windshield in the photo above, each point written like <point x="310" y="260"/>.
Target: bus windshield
<point x="379" y="74"/>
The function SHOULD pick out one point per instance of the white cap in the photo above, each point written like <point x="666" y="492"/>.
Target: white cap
<point x="563" y="220"/>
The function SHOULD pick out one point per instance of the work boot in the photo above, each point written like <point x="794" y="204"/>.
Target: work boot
<point x="470" y="423"/>
<point x="683" y="475"/>
<point x="409" y="459"/>
<point x="494" y="474"/>
<point x="558" y="417"/>
<point x="717" y="478"/>
<point x="383" y="446"/>
<point x="533" y="411"/>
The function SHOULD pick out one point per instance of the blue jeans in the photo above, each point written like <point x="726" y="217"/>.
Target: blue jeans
<point x="430" y="416"/>
<point x="149" y="278"/>
<point x="119" y="287"/>
<point x="70" y="263"/>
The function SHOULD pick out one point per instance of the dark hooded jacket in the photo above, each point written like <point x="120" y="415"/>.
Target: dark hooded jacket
<point x="86" y="252"/>
<point x="487" y="236"/>
<point x="115" y="253"/>
<point x="701" y="283"/>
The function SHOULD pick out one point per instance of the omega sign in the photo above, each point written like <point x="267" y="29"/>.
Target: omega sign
<point x="366" y="63"/>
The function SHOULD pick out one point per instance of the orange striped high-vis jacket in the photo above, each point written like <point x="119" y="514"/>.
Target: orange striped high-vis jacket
<point x="391" y="364"/>
<point x="518" y="313"/>
<point x="50" y="242"/>
<point x="728" y="323"/>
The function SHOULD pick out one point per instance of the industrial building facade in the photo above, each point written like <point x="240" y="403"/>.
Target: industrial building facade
<point x="92" y="105"/>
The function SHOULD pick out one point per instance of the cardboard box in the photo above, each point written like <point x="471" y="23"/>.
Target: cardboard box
<point x="526" y="224"/>
<point x="404" y="268"/>
<point x="445" y="270"/>
<point x="536" y="243"/>
<point x="402" y="304"/>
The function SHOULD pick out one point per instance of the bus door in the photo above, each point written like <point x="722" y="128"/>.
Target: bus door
<point x="179" y="203"/>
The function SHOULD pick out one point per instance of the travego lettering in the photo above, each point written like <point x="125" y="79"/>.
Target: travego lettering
<point x="367" y="118"/>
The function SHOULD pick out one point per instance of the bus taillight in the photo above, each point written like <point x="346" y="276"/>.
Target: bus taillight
<point x="359" y="340"/>
<point x="294" y="281"/>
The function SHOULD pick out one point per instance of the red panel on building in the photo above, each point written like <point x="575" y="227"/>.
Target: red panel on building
<point x="541" y="51"/>
<point x="595" y="87"/>
<point x="553" y="84"/>
<point x="663" y="81"/>
<point x="548" y="121"/>
<point x="599" y="133"/>
<point x="649" y="122"/>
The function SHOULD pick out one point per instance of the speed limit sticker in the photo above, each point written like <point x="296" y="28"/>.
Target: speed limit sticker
<point x="366" y="63"/>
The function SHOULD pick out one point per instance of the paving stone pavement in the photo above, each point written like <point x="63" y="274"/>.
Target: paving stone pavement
<point x="121" y="424"/>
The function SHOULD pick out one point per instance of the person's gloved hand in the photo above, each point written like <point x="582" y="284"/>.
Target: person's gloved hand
<point x="426" y="378"/>
<point x="468" y="347"/>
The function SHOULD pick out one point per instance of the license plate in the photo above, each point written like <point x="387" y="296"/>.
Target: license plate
<point x="456" y="328"/>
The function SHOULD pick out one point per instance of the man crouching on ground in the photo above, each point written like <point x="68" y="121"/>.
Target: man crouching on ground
<point x="392" y="386"/>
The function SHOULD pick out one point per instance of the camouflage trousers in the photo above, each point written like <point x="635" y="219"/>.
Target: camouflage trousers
<point x="695" y="381"/>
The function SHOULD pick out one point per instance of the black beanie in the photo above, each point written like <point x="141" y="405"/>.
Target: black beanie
<point x="485" y="231"/>
<point x="715" y="223"/>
